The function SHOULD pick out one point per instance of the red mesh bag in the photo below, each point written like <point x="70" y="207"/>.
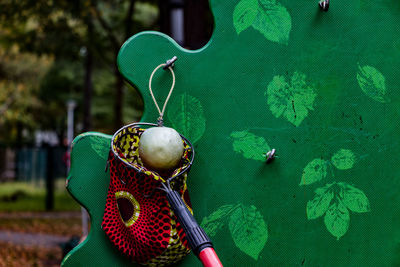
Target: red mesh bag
<point x="138" y="218"/>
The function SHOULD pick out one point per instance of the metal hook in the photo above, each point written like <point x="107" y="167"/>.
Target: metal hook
<point x="270" y="155"/>
<point x="170" y="63"/>
<point x="324" y="5"/>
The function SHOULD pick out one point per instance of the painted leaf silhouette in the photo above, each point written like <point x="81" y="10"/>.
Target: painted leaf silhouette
<point x="244" y="14"/>
<point x="187" y="117"/>
<point x="273" y="21"/>
<point x="291" y="101"/>
<point x="212" y="223"/>
<point x="101" y="146"/>
<point x="372" y="83"/>
<point x="337" y="219"/>
<point x="315" y="171"/>
<point x="250" y="145"/>
<point x="249" y="230"/>
<point x="343" y="159"/>
<point x="320" y="204"/>
<point x="354" y="198"/>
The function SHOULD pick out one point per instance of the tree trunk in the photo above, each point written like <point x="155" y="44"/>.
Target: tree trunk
<point x="119" y="80"/>
<point x="49" y="199"/>
<point x="119" y="86"/>
<point x="128" y="20"/>
<point x="88" y="83"/>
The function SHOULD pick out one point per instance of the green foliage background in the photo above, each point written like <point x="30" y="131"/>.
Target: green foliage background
<point x="43" y="48"/>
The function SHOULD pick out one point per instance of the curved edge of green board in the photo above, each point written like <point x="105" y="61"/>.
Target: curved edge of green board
<point x="88" y="183"/>
<point x="123" y="57"/>
<point x="163" y="35"/>
<point x="156" y="48"/>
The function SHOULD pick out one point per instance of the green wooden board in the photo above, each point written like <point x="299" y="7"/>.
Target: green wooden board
<point x="320" y="87"/>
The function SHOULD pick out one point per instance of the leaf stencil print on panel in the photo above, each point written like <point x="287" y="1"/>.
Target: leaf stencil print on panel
<point x="372" y="83"/>
<point x="334" y="200"/>
<point x="268" y="17"/>
<point x="250" y="145"/>
<point x="291" y="100"/>
<point x="314" y="171"/>
<point x="212" y="223"/>
<point x="101" y="146"/>
<point x="354" y="198"/>
<point x="343" y="159"/>
<point x="244" y="14"/>
<point x="337" y="219"/>
<point x="246" y="225"/>
<point x="320" y="204"/>
<point x="186" y="115"/>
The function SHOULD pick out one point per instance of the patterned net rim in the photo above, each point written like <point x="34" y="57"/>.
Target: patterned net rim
<point x="188" y="154"/>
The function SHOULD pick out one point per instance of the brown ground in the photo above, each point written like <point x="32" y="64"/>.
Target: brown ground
<point x="21" y="256"/>
<point x="58" y="224"/>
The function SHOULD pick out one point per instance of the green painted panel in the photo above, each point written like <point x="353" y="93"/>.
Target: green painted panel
<point x="320" y="87"/>
<point x="88" y="183"/>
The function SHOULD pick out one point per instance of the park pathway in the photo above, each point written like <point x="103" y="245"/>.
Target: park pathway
<point x="29" y="239"/>
<point x="43" y="215"/>
<point x="35" y="239"/>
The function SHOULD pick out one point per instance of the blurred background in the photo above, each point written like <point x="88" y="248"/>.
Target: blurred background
<point x="58" y="78"/>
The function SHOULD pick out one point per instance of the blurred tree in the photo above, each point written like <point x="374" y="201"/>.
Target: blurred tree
<point x="20" y="74"/>
<point x="118" y="21"/>
<point x="80" y="40"/>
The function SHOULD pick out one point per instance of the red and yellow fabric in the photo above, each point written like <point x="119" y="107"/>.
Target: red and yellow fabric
<point x="138" y="219"/>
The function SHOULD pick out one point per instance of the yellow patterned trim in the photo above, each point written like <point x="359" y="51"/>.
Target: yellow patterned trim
<point x="183" y="193"/>
<point x="136" y="207"/>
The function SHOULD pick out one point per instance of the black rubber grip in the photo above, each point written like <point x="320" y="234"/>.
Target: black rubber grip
<point x="197" y="238"/>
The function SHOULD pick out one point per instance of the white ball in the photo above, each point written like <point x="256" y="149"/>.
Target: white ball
<point x="160" y="148"/>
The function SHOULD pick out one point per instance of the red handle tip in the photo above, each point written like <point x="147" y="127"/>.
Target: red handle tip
<point x="209" y="258"/>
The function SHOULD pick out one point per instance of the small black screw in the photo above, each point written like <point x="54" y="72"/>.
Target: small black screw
<point x="324" y="5"/>
<point x="270" y="155"/>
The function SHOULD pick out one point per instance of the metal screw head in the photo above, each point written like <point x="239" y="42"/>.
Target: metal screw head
<point x="270" y="155"/>
<point x="324" y="5"/>
<point x="170" y="62"/>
